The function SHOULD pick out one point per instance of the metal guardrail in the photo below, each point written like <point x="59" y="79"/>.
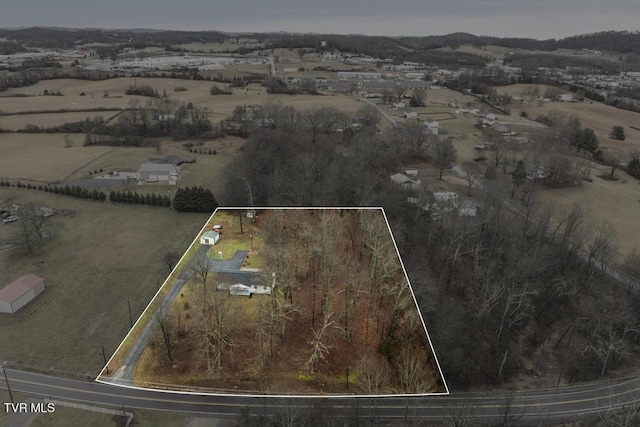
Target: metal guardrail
<point x="83" y="407"/>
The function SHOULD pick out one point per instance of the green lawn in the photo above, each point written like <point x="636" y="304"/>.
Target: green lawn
<point x="228" y="246"/>
<point x="69" y="417"/>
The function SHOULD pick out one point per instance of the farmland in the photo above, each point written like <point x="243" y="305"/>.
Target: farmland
<point x="197" y="92"/>
<point x="17" y="122"/>
<point x="90" y="275"/>
<point x="43" y="157"/>
<point x="598" y="116"/>
<point x="83" y="257"/>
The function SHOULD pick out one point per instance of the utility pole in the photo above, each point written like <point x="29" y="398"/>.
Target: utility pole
<point x="7" y="381"/>
<point x="104" y="357"/>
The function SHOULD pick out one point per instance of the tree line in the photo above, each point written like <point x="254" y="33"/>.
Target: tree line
<point x="150" y="199"/>
<point x="495" y="289"/>
<point x="188" y="199"/>
<point x="73" y="190"/>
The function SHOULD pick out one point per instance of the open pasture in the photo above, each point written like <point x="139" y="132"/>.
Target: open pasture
<point x="197" y="92"/>
<point x="97" y="262"/>
<point x="596" y="115"/>
<point x="20" y="121"/>
<point x="616" y="203"/>
<point x="43" y="157"/>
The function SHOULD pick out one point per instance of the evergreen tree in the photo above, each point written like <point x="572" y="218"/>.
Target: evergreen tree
<point x="633" y="167"/>
<point x="618" y="133"/>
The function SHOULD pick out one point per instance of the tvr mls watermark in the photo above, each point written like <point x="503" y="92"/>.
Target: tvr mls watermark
<point x="30" y="407"/>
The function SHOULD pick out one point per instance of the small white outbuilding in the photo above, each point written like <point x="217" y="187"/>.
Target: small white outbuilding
<point x="209" y="238"/>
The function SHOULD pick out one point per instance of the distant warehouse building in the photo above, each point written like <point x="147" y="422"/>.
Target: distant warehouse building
<point x="161" y="173"/>
<point x="17" y="294"/>
<point x="358" y="75"/>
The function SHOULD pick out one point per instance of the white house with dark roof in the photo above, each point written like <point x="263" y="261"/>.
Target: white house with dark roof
<point x="433" y="126"/>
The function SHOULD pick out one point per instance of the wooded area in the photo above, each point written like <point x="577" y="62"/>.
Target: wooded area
<point x="340" y="317"/>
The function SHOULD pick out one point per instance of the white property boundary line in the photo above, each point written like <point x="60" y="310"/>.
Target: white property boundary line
<point x="284" y="395"/>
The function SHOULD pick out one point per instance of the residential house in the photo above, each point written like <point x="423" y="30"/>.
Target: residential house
<point x="447" y="201"/>
<point x="411" y="115"/>
<point x="243" y="283"/>
<point x="433" y="126"/>
<point x="405" y="181"/>
<point x="468" y="208"/>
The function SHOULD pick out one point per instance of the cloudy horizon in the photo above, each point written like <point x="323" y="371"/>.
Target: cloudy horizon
<point x="540" y="19"/>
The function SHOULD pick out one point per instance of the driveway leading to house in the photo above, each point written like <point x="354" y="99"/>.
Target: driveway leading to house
<point x="232" y="264"/>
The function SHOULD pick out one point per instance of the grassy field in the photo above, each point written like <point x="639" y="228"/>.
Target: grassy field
<point x="65" y="417"/>
<point x="43" y="157"/>
<point x="601" y="117"/>
<point x="17" y="122"/>
<point x="614" y="202"/>
<point x="197" y="92"/>
<point x="4" y="397"/>
<point x="100" y="259"/>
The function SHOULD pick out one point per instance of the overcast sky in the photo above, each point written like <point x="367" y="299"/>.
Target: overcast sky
<point x="541" y="19"/>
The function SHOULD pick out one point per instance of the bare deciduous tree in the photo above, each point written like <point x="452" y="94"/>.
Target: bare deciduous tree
<point x="373" y="374"/>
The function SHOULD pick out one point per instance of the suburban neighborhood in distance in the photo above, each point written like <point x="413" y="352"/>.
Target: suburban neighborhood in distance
<point x="399" y="230"/>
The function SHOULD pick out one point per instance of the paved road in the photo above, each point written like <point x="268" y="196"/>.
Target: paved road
<point x="527" y="407"/>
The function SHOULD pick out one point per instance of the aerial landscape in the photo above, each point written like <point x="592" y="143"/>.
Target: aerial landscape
<point x="372" y="217"/>
<point x="328" y="274"/>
